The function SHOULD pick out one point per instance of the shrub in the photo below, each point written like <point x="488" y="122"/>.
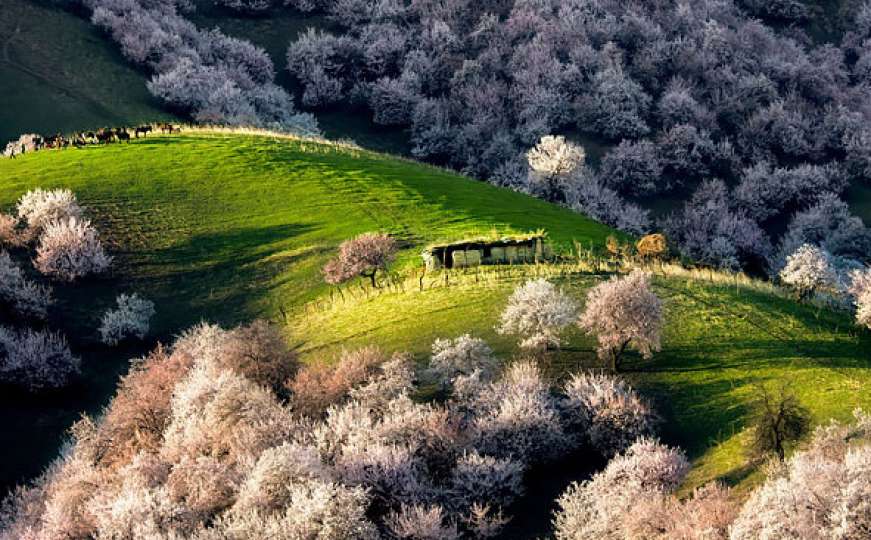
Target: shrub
<point x="259" y="352"/>
<point x="421" y="523"/>
<point x="601" y="506"/>
<point x="25" y="296"/>
<point x="131" y="318"/>
<point x="537" y="311"/>
<point x="808" y="270"/>
<point x="35" y="359"/>
<point x="633" y="168"/>
<point x="820" y="492"/>
<point x="364" y="256"/>
<point x="711" y="231"/>
<point x="10" y="235"/>
<point x="860" y="290"/>
<point x="551" y="160"/>
<point x="606" y="411"/>
<point x="70" y="249"/>
<point x="517" y="417"/>
<point x="462" y="356"/>
<point x="317" y="386"/>
<point x="623" y="312"/>
<point x="39" y="207"/>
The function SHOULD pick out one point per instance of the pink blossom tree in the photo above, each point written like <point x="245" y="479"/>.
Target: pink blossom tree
<point x="363" y="256"/>
<point x="70" y="249"/>
<point x="623" y="312"/>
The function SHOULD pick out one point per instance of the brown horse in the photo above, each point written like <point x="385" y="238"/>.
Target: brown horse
<point x="105" y="135"/>
<point x="144" y="130"/>
<point x="122" y="134"/>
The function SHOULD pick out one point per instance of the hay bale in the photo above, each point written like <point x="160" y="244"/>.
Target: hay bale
<point x="652" y="246"/>
<point x="497" y="255"/>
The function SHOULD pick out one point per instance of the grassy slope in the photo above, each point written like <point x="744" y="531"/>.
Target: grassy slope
<point x="719" y="341"/>
<point x="227" y="229"/>
<point x="233" y="227"/>
<point x="58" y="73"/>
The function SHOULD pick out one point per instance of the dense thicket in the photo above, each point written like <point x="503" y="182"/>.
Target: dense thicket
<point x="820" y="492"/>
<point x="684" y="91"/>
<point x="204" y="73"/>
<point x="203" y="442"/>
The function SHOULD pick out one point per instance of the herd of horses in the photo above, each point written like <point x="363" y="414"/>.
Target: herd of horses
<point x="83" y="138"/>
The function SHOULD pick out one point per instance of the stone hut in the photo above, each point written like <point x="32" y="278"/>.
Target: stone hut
<point x="467" y="253"/>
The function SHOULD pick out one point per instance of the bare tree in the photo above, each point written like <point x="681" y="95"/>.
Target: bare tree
<point x="779" y="420"/>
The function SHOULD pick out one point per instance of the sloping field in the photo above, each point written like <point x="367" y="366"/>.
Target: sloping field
<point x="230" y="227"/>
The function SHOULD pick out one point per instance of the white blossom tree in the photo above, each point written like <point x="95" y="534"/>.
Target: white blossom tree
<point x="462" y="356"/>
<point x="70" y="249"/>
<point x="39" y="207"/>
<point x="130" y="318"/>
<point x="860" y="290"/>
<point x="537" y="312"/>
<point x="24" y="295"/>
<point x="808" y="270"/>
<point x="623" y="312"/>
<point x="551" y="161"/>
<point x="35" y="359"/>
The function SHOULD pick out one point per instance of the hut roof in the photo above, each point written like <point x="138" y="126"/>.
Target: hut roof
<point x="511" y="239"/>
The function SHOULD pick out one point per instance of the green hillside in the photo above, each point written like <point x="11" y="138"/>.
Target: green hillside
<point x="230" y="227"/>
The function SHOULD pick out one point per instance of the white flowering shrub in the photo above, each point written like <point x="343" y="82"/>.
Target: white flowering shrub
<point x="421" y="523"/>
<point x="860" y="290"/>
<point x="487" y="480"/>
<point x="130" y="319"/>
<point x="10" y="235"/>
<point x="70" y="249"/>
<point x="537" y="312"/>
<point x="35" y="359"/>
<point x="518" y="417"/>
<point x="550" y="161"/>
<point x="623" y="312"/>
<point x="599" y="507"/>
<point x="606" y="411"/>
<point x="39" y="207"/>
<point x="199" y="444"/>
<point x="808" y="270"/>
<point x="452" y="358"/>
<point x="25" y="296"/>
<point x="820" y="492"/>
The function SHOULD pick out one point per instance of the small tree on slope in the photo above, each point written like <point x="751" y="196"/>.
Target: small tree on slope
<point x="623" y="312"/>
<point x="363" y="256"/>
<point x="808" y="270"/>
<point x="537" y="312"/>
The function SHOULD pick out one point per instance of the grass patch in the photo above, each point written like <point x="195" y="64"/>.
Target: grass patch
<point x="230" y="227"/>
<point x="719" y="340"/>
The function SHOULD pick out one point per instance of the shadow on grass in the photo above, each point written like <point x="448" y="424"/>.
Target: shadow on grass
<point x="219" y="277"/>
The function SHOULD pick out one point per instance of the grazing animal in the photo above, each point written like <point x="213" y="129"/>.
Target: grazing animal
<point x="105" y="136"/>
<point x="90" y="136"/>
<point x="122" y="134"/>
<point x="145" y="130"/>
<point x="166" y="127"/>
